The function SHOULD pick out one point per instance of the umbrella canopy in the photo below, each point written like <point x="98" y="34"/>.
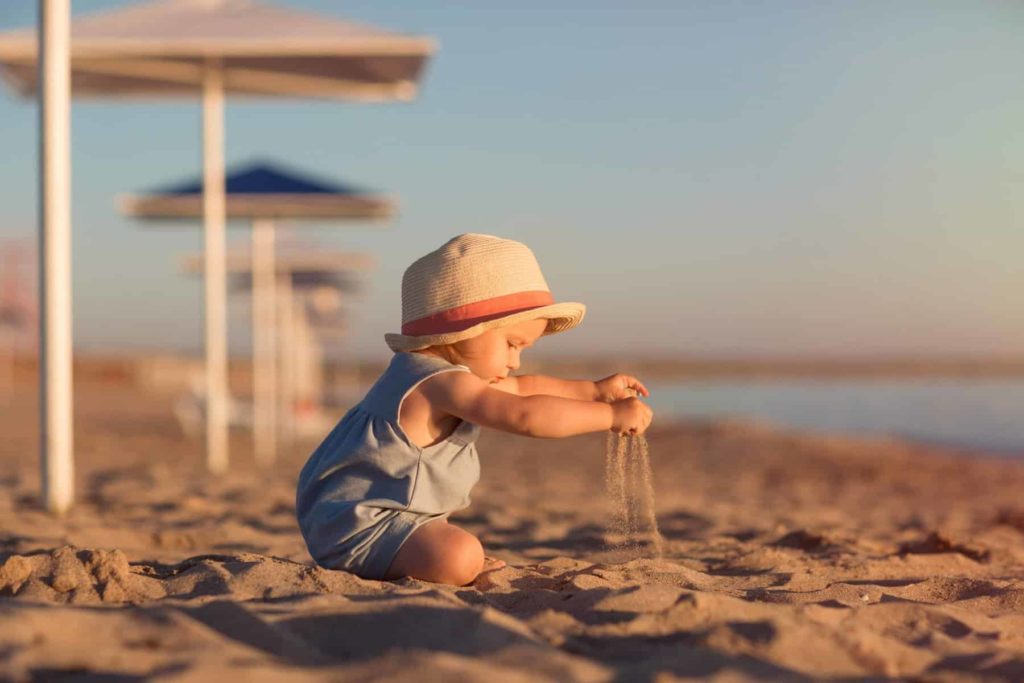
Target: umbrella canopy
<point x="179" y="48"/>
<point x="162" y="47"/>
<point x="306" y="276"/>
<point x="317" y="260"/>
<point x="297" y="274"/>
<point x="263" y="190"/>
<point x="301" y="281"/>
<point x="305" y="269"/>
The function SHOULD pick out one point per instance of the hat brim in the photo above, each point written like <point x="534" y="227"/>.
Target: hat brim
<point x="560" y="317"/>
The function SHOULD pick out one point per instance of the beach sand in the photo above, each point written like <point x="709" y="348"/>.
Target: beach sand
<point x="786" y="556"/>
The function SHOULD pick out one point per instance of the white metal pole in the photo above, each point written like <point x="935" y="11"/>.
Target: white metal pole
<point x="6" y="369"/>
<point x="286" y="341"/>
<point x="300" y="359"/>
<point x="215" y="276"/>
<point x="56" y="443"/>
<point x="316" y="370"/>
<point x="300" y="376"/>
<point x="264" y="353"/>
<point x="313" y="359"/>
<point x="7" y="346"/>
<point x="308" y="361"/>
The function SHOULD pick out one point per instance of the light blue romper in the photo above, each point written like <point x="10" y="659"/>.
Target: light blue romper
<point x="367" y="487"/>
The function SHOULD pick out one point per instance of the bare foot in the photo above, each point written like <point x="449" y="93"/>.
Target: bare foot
<point x="491" y="563"/>
<point x="483" y="580"/>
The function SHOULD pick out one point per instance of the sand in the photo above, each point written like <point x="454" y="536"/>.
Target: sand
<point x="629" y="485"/>
<point x="786" y="556"/>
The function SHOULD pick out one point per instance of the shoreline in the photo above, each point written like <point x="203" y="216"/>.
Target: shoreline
<point x="949" y="448"/>
<point x="129" y="365"/>
<point x="173" y="375"/>
<point x="786" y="555"/>
<point x="967" y="451"/>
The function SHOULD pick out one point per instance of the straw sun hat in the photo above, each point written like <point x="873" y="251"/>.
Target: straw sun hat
<point x="471" y="284"/>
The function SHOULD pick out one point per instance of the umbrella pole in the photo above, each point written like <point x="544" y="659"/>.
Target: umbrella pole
<point x="6" y="369"/>
<point x="264" y="379"/>
<point x="300" y="355"/>
<point x="286" y="389"/>
<point x="56" y="444"/>
<point x="215" y="290"/>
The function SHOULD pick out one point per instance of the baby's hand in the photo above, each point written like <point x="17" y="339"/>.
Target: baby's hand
<point x="619" y="386"/>
<point x="631" y="416"/>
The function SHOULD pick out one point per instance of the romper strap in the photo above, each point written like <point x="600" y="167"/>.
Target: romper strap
<point x="404" y="373"/>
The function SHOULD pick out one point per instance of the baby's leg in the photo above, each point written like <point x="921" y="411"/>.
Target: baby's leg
<point x="439" y="552"/>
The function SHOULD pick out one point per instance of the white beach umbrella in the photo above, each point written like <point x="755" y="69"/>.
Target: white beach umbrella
<point x="299" y="273"/>
<point x="53" y="50"/>
<point x="264" y="192"/>
<point x="183" y="48"/>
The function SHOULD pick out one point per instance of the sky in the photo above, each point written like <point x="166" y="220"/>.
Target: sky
<point x="790" y="178"/>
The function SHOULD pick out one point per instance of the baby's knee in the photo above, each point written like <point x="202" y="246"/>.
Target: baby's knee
<point x="439" y="553"/>
<point x="464" y="559"/>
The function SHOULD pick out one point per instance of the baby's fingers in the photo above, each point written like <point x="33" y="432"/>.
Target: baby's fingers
<point x="636" y="385"/>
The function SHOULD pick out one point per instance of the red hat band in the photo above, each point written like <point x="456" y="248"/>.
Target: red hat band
<point x="463" y="317"/>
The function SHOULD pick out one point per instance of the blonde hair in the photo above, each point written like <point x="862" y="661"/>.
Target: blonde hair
<point x="450" y="352"/>
<point x="446" y="351"/>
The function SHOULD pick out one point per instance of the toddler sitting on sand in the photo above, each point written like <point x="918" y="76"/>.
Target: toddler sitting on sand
<point x="375" y="496"/>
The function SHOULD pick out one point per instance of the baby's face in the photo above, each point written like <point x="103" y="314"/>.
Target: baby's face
<point x="493" y="355"/>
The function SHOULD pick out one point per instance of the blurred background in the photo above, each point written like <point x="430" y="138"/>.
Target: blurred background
<point x="803" y="212"/>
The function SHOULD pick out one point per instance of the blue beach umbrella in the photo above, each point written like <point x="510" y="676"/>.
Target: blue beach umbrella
<point x="175" y="49"/>
<point x="264" y="192"/>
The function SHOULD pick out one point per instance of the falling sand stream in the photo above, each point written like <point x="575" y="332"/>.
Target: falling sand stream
<point x="631" y="492"/>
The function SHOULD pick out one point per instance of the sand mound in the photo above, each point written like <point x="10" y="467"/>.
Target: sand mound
<point x="85" y="576"/>
<point x="786" y="557"/>
<point x="562" y="619"/>
<point x="68" y="574"/>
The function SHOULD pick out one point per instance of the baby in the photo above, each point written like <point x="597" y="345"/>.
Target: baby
<point x="375" y="496"/>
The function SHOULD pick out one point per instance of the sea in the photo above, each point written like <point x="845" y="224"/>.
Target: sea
<point x="972" y="414"/>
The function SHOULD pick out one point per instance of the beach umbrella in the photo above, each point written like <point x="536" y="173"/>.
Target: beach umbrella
<point x="51" y="45"/>
<point x="264" y="192"/>
<point x="17" y="313"/>
<point x="184" y="48"/>
<point x="302" y="275"/>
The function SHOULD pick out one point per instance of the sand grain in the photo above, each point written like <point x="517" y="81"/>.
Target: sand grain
<point x="785" y="557"/>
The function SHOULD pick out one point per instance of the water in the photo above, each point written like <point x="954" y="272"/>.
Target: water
<point x="985" y="414"/>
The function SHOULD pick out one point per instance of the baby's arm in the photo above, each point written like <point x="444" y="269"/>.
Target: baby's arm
<point x="530" y="385"/>
<point x="472" y="399"/>
<point x="611" y="388"/>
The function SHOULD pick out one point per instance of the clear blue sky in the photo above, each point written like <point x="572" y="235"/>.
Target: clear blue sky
<point x="711" y="178"/>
